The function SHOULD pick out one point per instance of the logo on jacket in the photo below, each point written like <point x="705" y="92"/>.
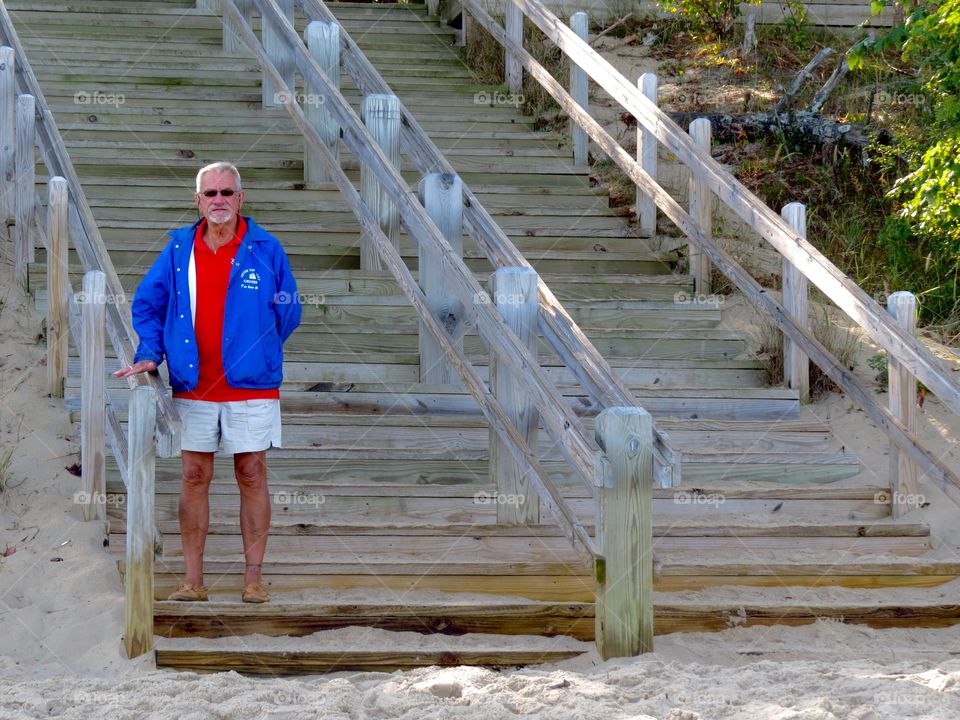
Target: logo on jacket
<point x="249" y="279"/>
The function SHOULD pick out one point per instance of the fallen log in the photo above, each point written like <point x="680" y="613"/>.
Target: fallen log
<point x="803" y="128"/>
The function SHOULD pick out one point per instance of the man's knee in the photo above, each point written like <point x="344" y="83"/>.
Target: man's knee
<point x="251" y="470"/>
<point x="197" y="473"/>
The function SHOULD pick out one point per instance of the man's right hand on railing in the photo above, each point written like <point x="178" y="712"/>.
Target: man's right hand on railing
<point x="144" y="366"/>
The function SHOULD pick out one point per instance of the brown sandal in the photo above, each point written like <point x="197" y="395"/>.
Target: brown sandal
<point x="189" y="593"/>
<point x="255" y="593"/>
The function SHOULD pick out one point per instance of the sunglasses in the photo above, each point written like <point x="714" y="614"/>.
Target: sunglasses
<point x="213" y="193"/>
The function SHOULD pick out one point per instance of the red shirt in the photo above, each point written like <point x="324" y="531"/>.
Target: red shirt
<point x="213" y="276"/>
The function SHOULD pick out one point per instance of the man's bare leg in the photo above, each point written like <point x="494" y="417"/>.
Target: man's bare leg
<point x="251" y="472"/>
<point x="194" y="511"/>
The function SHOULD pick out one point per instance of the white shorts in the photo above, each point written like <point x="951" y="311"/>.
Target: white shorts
<point x="239" y="426"/>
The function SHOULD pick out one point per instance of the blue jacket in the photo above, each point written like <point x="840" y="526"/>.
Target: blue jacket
<point x="262" y="310"/>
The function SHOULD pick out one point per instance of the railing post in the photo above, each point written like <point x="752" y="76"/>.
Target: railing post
<point x="579" y="91"/>
<point x="903" y="404"/>
<point x="513" y="71"/>
<point x="796" y="364"/>
<point x="441" y="194"/>
<point x="280" y="55"/>
<point x="58" y="323"/>
<point x="647" y="157"/>
<point x="231" y="35"/>
<point x="25" y="190"/>
<point x="381" y="115"/>
<point x="323" y="41"/>
<point x="701" y="209"/>
<point x="624" y="605"/>
<point x="138" y="582"/>
<point x="460" y="36"/>
<point x="92" y="399"/>
<point x="514" y="292"/>
<point x="8" y="133"/>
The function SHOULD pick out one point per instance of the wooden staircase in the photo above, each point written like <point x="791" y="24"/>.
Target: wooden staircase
<point x="381" y="488"/>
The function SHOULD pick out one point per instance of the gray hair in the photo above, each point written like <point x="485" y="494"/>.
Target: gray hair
<point x="221" y="166"/>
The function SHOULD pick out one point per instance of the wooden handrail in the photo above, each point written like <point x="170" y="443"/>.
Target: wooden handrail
<point x="86" y="236"/>
<point x="558" y="420"/>
<point x="846" y="294"/>
<point x="907" y="441"/>
<point x="559" y="330"/>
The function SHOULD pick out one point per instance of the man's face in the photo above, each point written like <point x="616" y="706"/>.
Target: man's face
<point x="217" y="208"/>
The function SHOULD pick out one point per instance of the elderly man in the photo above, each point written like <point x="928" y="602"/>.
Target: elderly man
<point x="218" y="304"/>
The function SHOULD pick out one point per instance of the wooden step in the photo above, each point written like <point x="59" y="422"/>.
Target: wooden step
<point x="225" y="617"/>
<point x="313" y="654"/>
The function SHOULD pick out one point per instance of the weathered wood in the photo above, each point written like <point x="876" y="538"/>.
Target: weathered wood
<point x="903" y="404"/>
<point x="787" y="100"/>
<point x="25" y="191"/>
<point x="92" y="423"/>
<point x="381" y="115"/>
<point x="839" y="72"/>
<point x="58" y="322"/>
<point x="498" y="335"/>
<point x="835" y="285"/>
<point x="512" y="72"/>
<point x="8" y="135"/>
<point x="647" y="157"/>
<point x="279" y="53"/>
<point x="701" y="210"/>
<point x="323" y="42"/>
<point x="201" y="658"/>
<point x="231" y="42"/>
<point x="86" y="236"/>
<point x="796" y="364"/>
<point x="749" y="45"/>
<point x="211" y="6"/>
<point x="138" y="581"/>
<point x="514" y="292"/>
<point x="579" y="85"/>
<point x="624" y="576"/>
<point x="441" y="195"/>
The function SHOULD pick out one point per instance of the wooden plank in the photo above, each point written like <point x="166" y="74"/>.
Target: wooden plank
<point x="8" y="124"/>
<point x="442" y="196"/>
<point x="701" y="210"/>
<point x="139" y="582"/>
<point x="92" y="424"/>
<point x="323" y="42"/>
<point x="288" y="662"/>
<point x="25" y="192"/>
<point x="903" y="404"/>
<point x="219" y="619"/>
<point x="381" y="116"/>
<point x="579" y="85"/>
<point x="647" y="157"/>
<point x="513" y="291"/>
<point x="796" y="302"/>
<point x="58" y="328"/>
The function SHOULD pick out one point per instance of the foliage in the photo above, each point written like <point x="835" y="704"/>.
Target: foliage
<point x="718" y="16"/>
<point x="928" y="194"/>
<point x="878" y="362"/>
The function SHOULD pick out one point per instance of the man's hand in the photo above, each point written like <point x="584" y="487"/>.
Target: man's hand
<point x="137" y="368"/>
